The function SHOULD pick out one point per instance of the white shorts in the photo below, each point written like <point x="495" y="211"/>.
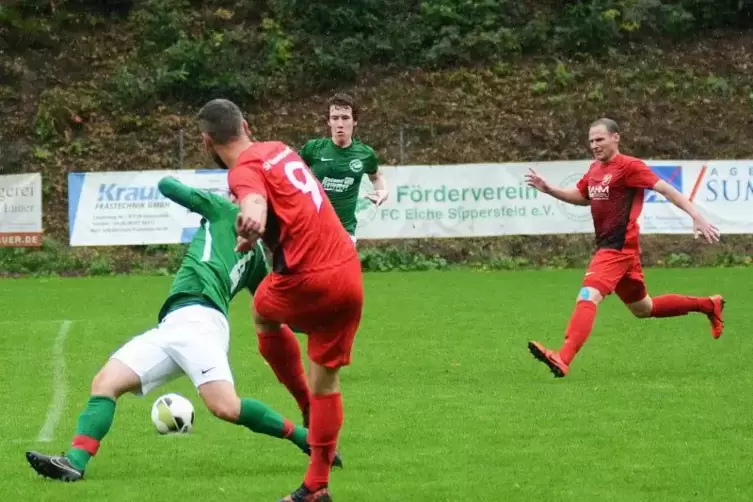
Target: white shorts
<point x="193" y="340"/>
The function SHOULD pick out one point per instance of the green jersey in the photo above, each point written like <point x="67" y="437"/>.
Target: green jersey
<point x="211" y="272"/>
<point x="340" y="171"/>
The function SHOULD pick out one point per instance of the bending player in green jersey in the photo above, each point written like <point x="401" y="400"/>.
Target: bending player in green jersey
<point x="341" y="161"/>
<point x="192" y="338"/>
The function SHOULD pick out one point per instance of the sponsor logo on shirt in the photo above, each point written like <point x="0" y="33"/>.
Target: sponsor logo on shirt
<point x="269" y="164"/>
<point x="598" y="192"/>
<point x="337" y="185"/>
<point x="356" y="165"/>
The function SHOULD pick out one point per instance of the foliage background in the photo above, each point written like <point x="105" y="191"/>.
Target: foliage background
<point x="97" y="86"/>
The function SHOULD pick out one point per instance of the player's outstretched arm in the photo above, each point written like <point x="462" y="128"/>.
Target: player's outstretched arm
<point x="247" y="185"/>
<point x="251" y="221"/>
<point x="701" y="225"/>
<point x="371" y="168"/>
<point x="198" y="201"/>
<point x="381" y="190"/>
<point x="569" y="195"/>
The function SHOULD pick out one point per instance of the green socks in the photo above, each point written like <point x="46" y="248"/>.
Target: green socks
<point x="93" y="424"/>
<point x="262" y="419"/>
<point x="95" y="421"/>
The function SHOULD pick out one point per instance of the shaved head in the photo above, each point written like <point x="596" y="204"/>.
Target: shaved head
<point x="224" y="131"/>
<point x="221" y="120"/>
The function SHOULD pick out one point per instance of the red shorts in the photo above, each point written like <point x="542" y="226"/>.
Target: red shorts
<point x="616" y="271"/>
<point x="326" y="305"/>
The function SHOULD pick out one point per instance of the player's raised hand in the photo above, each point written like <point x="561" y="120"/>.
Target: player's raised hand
<point x="701" y="227"/>
<point x="248" y="227"/>
<point x="242" y="244"/>
<point x="535" y="180"/>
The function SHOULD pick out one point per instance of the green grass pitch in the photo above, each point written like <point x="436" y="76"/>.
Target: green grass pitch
<point x="442" y="402"/>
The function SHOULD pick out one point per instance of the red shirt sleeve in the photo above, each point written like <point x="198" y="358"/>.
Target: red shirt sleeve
<point x="582" y="186"/>
<point x="246" y="178"/>
<point x="639" y="175"/>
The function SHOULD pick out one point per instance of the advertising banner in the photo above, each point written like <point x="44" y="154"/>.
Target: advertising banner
<point x="466" y="200"/>
<point x="126" y="208"/>
<point x="21" y="210"/>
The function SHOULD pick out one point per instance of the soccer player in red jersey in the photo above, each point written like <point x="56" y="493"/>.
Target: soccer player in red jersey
<point x="316" y="283"/>
<point x="614" y="188"/>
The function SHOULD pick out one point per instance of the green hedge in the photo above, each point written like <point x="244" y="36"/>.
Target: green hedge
<point x="503" y="253"/>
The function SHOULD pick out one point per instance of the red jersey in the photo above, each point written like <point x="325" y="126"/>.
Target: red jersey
<point x="303" y="231"/>
<point x="616" y="191"/>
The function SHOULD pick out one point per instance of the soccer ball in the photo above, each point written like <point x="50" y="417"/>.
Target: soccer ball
<point x="172" y="414"/>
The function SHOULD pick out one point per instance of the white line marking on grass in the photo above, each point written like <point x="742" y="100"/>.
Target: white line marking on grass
<point x="47" y="432"/>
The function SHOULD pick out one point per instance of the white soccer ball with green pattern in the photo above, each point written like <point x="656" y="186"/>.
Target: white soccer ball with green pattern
<point x="172" y="414"/>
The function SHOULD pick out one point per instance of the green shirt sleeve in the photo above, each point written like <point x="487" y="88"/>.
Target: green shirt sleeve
<point x="372" y="163"/>
<point x="307" y="151"/>
<point x="198" y="201"/>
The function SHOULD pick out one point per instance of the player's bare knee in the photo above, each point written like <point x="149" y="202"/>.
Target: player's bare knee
<point x="114" y="380"/>
<point x="642" y="309"/>
<point x="228" y="410"/>
<point x="105" y="384"/>
<point x="324" y="380"/>
<point x="100" y="385"/>
<point x="589" y="294"/>
<point x="221" y="401"/>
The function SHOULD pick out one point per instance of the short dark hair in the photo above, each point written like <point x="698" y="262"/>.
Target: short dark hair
<point x="221" y="120"/>
<point x="611" y="125"/>
<point x="343" y="100"/>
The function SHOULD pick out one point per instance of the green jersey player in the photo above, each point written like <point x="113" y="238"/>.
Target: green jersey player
<point x="191" y="338"/>
<point x="340" y="161"/>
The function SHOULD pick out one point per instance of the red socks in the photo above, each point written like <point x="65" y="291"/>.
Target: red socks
<point x="281" y="350"/>
<point x="582" y="320"/>
<point x="578" y="330"/>
<point x="677" y="305"/>
<point x="326" y="420"/>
